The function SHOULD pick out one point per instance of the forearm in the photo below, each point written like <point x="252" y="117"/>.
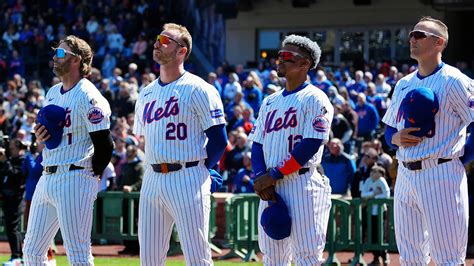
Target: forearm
<point x="103" y="147"/>
<point x="258" y="159"/>
<point x="300" y="155"/>
<point x="217" y="141"/>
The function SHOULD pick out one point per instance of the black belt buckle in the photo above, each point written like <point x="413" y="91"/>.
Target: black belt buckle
<point x="416" y="165"/>
<point x="51" y="169"/>
<point x="171" y="167"/>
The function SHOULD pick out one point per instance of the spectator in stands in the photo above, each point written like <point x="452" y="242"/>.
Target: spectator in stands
<point x="384" y="159"/>
<point x="392" y="76"/>
<point x="108" y="65"/>
<point x="16" y="64"/>
<point x="132" y="72"/>
<point x="341" y="128"/>
<point x="375" y="99"/>
<point x="231" y="88"/>
<point x="274" y="80"/>
<point x="212" y="79"/>
<point x="376" y="187"/>
<point x="247" y="121"/>
<point x="235" y="158"/>
<point x="243" y="181"/>
<point x="108" y="178"/>
<point x="321" y="81"/>
<point x="368" y="77"/>
<point x="358" y="86"/>
<point x="11" y="36"/>
<point x="368" y="118"/>
<point x="334" y="96"/>
<point x="381" y="87"/>
<point x="252" y="94"/>
<point x="338" y="167"/>
<point x="369" y="158"/>
<point x="256" y="79"/>
<point x="12" y="188"/>
<point x="124" y="104"/>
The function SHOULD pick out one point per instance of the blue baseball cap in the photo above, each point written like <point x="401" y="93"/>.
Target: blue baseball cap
<point x="276" y="220"/>
<point x="419" y="108"/>
<point x="53" y="117"/>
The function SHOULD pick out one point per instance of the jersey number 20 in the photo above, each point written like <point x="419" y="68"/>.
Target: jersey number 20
<point x="179" y="131"/>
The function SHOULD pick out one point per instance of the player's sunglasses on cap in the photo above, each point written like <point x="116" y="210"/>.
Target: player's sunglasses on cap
<point x="286" y="55"/>
<point x="163" y="39"/>
<point x="421" y="34"/>
<point x="61" y="53"/>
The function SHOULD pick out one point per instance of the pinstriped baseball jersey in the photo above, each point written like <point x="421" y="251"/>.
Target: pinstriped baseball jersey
<point x="86" y="111"/>
<point x="455" y="93"/>
<point x="173" y="117"/>
<point x="431" y="203"/>
<point x="284" y="120"/>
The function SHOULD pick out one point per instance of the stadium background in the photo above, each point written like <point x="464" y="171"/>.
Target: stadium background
<point x="229" y="36"/>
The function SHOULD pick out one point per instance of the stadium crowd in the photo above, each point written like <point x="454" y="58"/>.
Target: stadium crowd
<point x="123" y="40"/>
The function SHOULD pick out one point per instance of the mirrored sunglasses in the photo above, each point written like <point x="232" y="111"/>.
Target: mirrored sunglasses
<point x="420" y="34"/>
<point x="285" y="55"/>
<point x="61" y="53"/>
<point x="163" y="39"/>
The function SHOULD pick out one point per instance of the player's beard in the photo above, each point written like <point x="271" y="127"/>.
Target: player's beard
<point x="163" y="58"/>
<point x="62" y="68"/>
<point x="281" y="70"/>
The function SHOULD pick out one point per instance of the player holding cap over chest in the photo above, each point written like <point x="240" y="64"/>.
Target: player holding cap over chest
<point x="74" y="125"/>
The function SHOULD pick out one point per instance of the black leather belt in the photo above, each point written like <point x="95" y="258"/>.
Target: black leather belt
<point x="416" y="165"/>
<point x="53" y="169"/>
<point x="171" y="167"/>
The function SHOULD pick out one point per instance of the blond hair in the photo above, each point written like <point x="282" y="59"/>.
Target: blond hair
<point x="184" y="35"/>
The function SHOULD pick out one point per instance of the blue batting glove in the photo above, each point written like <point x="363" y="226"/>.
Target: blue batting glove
<point x="216" y="179"/>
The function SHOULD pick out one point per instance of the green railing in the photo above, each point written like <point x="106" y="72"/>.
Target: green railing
<point x="116" y="215"/>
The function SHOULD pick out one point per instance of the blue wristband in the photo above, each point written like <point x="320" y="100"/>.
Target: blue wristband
<point x="275" y="174"/>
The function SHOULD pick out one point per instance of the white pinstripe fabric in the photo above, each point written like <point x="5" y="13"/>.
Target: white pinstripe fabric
<point x="431" y="204"/>
<point x="182" y="197"/>
<point x="283" y="121"/>
<point x="431" y="214"/>
<point x="195" y="100"/>
<point x="308" y="198"/>
<point x="453" y="90"/>
<point x="79" y="100"/>
<point x="62" y="200"/>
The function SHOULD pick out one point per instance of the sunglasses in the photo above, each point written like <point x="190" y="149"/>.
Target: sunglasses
<point x="61" y="53"/>
<point x="289" y="56"/>
<point x="420" y="34"/>
<point x="163" y="39"/>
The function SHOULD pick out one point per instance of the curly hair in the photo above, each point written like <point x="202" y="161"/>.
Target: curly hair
<point x="83" y="50"/>
<point x="305" y="44"/>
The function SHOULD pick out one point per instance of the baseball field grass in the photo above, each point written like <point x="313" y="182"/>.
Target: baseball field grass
<point x="115" y="261"/>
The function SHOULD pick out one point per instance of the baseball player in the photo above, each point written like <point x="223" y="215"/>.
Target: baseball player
<point x="431" y="200"/>
<point x="72" y="160"/>
<point x="182" y="120"/>
<point x="288" y="134"/>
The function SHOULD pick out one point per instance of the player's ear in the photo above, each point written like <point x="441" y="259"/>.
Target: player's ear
<point x="183" y="51"/>
<point x="304" y="63"/>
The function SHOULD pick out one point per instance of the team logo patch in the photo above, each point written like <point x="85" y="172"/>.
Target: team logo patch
<point x="320" y="124"/>
<point x="217" y="113"/>
<point x="471" y="101"/>
<point x="95" y="115"/>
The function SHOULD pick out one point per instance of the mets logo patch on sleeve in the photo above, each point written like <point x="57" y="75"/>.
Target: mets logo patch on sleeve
<point x="321" y="124"/>
<point x="216" y="113"/>
<point x="95" y="115"/>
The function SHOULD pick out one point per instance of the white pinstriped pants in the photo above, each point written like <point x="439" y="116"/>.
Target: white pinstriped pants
<point x="63" y="200"/>
<point x="308" y="198"/>
<point x="431" y="214"/>
<point x="181" y="197"/>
